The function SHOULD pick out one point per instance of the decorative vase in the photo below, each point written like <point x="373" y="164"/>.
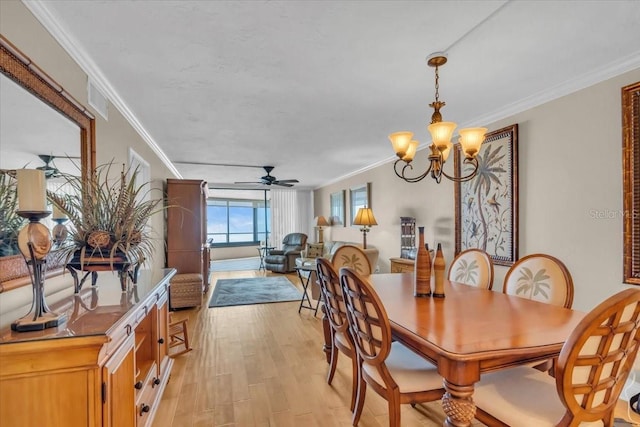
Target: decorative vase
<point x="422" y="269"/>
<point x="438" y="271"/>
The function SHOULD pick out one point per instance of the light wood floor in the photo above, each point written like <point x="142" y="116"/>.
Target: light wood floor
<point x="263" y="365"/>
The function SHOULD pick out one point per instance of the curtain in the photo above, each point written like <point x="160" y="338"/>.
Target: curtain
<point x="291" y="212"/>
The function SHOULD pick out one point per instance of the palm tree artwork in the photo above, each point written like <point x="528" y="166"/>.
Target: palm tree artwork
<point x="486" y="204"/>
<point x="467" y="272"/>
<point x="530" y="285"/>
<point x="352" y="261"/>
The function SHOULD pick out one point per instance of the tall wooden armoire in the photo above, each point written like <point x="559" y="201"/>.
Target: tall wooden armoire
<point x="187" y="249"/>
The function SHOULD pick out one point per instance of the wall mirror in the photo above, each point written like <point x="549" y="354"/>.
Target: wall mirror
<point x="38" y="117"/>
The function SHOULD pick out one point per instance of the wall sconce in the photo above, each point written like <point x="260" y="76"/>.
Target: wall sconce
<point x="34" y="242"/>
<point x="365" y="218"/>
<point x="320" y="222"/>
<point x="405" y="146"/>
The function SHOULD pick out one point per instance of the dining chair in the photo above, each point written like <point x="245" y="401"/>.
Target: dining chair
<point x="353" y="257"/>
<point x="591" y="372"/>
<point x="337" y="315"/>
<point x="540" y="277"/>
<point x="392" y="370"/>
<point x="472" y="267"/>
<point x="178" y="336"/>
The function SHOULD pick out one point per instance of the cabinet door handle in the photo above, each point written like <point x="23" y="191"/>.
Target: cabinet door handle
<point x="144" y="408"/>
<point x="138" y="385"/>
<point x="155" y="382"/>
<point x="161" y="341"/>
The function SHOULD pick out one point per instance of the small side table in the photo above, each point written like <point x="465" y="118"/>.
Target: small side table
<point x="262" y="252"/>
<point x="304" y="274"/>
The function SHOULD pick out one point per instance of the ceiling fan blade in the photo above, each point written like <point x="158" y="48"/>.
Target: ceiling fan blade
<point x="248" y="182"/>
<point x="215" y="164"/>
<point x="287" y="180"/>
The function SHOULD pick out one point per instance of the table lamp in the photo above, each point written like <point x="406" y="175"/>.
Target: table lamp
<point x="320" y="222"/>
<point x="365" y="218"/>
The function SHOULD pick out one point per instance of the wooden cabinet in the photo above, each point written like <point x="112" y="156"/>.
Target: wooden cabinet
<point x="119" y="396"/>
<point x="402" y="265"/>
<point x="407" y="237"/>
<point x="106" y="366"/>
<point x="187" y="249"/>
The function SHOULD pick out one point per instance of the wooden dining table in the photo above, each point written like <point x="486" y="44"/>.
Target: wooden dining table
<point x="471" y="331"/>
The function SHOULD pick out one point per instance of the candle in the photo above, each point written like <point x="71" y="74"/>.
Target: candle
<point x="32" y="190"/>
<point x="57" y="213"/>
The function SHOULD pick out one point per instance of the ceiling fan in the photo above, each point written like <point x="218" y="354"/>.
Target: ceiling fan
<point x="50" y="171"/>
<point x="49" y="168"/>
<point x="269" y="179"/>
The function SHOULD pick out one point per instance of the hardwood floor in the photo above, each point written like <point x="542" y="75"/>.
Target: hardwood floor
<point x="263" y="365"/>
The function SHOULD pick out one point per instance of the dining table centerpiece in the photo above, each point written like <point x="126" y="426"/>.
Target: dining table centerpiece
<point x="108" y="218"/>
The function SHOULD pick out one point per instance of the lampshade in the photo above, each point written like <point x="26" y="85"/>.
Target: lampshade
<point x="441" y="133"/>
<point x="365" y="217"/>
<point x="400" y="142"/>
<point x="411" y="151"/>
<point x="471" y="139"/>
<point x="446" y="152"/>
<point x="321" y="221"/>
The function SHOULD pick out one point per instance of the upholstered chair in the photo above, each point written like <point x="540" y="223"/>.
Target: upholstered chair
<point x="592" y="369"/>
<point x="284" y="260"/>
<point x="336" y="313"/>
<point x="353" y="257"/>
<point x="392" y="370"/>
<point x="540" y="277"/>
<point x="472" y="267"/>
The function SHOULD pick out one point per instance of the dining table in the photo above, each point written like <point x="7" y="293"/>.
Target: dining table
<point x="469" y="332"/>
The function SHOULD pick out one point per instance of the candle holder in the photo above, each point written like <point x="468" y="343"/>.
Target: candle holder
<point x="60" y="231"/>
<point x="34" y="242"/>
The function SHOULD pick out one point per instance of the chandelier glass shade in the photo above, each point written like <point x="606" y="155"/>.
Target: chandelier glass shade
<point x="441" y="132"/>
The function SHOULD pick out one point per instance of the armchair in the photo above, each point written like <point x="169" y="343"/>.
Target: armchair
<point x="284" y="260"/>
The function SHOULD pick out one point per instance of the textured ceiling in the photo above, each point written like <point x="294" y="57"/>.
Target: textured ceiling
<point x="315" y="87"/>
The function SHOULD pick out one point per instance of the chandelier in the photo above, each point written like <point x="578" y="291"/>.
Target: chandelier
<point x="441" y="132"/>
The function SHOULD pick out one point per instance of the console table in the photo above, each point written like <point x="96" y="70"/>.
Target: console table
<point x="108" y="365"/>
<point x="402" y="265"/>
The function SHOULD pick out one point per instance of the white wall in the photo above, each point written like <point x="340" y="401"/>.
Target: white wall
<point x="570" y="153"/>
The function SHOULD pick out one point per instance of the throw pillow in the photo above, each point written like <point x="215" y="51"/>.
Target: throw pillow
<point x="314" y="250"/>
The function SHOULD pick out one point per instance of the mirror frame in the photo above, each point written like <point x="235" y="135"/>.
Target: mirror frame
<point x="631" y="181"/>
<point x="19" y="68"/>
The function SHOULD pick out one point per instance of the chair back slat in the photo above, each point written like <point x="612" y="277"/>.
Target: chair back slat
<point x="595" y="361"/>
<point x="332" y="294"/>
<point x="540" y="277"/>
<point x="367" y="317"/>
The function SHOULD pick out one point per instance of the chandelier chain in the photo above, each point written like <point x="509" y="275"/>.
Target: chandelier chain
<point x="437" y="85"/>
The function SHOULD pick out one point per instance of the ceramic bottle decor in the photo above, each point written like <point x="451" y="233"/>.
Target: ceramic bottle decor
<point x="422" y="269"/>
<point x="438" y="271"/>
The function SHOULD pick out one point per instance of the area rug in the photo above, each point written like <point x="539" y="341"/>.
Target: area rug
<point x="253" y="290"/>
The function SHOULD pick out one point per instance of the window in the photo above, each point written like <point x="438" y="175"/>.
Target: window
<point x="359" y="197"/>
<point x="237" y="222"/>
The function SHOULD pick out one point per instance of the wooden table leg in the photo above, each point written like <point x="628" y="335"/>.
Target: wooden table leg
<point x="458" y="404"/>
<point x="326" y="328"/>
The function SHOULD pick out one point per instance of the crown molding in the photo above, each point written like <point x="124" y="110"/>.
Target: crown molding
<point x="48" y="19"/>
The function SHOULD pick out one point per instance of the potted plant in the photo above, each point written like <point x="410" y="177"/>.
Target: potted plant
<point x="109" y="219"/>
<point x="10" y="222"/>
